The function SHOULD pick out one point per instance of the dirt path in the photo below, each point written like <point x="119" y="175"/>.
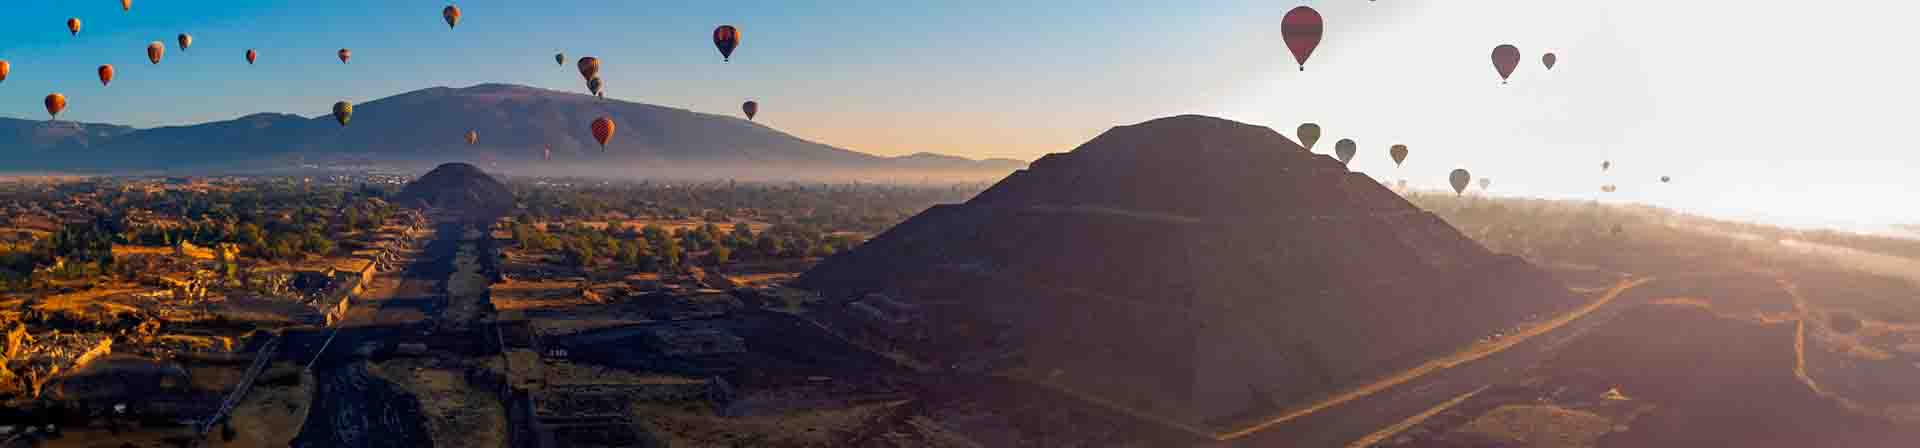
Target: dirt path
<point x="1390" y="431"/>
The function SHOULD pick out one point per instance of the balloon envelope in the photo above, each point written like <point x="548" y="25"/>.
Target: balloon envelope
<point x="751" y="108"/>
<point x="1665" y="179"/>
<point x="594" y="85"/>
<point x="186" y="40"/>
<point x="1399" y="154"/>
<point x="1345" y="149"/>
<point x="589" y="67"/>
<point x="106" y="74"/>
<point x="560" y="59"/>
<point x="1505" y="59"/>
<point x="452" y="14"/>
<point x="4" y="69"/>
<point x="55" y="103"/>
<point x="1548" y="60"/>
<point x="603" y="131"/>
<point x="1486" y="183"/>
<point x="155" y="50"/>
<point x="73" y="25"/>
<point x="251" y="55"/>
<point x="126" y="5"/>
<point x="1459" y="178"/>
<point x="1301" y="28"/>
<point x="1309" y="134"/>
<point x="1605" y="165"/>
<point x="343" y="112"/>
<point x="345" y="54"/>
<point x="473" y="137"/>
<point x="726" y="38"/>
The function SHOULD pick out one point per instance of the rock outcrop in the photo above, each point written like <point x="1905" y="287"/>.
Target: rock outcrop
<point x="1196" y="268"/>
<point x="461" y="189"/>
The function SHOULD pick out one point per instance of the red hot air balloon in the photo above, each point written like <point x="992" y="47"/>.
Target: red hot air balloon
<point x="589" y="67"/>
<point x="155" y="50"/>
<point x="4" y="69"/>
<point x="1505" y="59"/>
<point x="1302" y="28"/>
<point x="345" y="54"/>
<point x="603" y="131"/>
<point x="73" y="25"/>
<point x="251" y="55"/>
<point x="452" y="14"/>
<point x="106" y="74"/>
<point x="1548" y="60"/>
<point x="55" y="103"/>
<point x="726" y="38"/>
<point x="751" y="108"/>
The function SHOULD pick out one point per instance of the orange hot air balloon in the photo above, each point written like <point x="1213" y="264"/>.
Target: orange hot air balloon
<point x="452" y="14"/>
<point x="1459" y="179"/>
<point x="251" y="55"/>
<point x="1399" y="154"/>
<point x="473" y="137"/>
<point x="186" y="40"/>
<point x="155" y="50"/>
<point x="126" y="5"/>
<point x="589" y="67"/>
<point x="73" y="25"/>
<point x="1301" y="28"/>
<point x="55" y="103"/>
<point x="726" y="38"/>
<point x="603" y="131"/>
<point x="1548" y="60"/>
<point x="1505" y="59"/>
<point x="751" y="108"/>
<point x="4" y="69"/>
<point x="345" y="54"/>
<point x="106" y="74"/>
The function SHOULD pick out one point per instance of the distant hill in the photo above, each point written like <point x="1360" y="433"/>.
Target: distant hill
<point x="1196" y="268"/>
<point x="426" y="126"/>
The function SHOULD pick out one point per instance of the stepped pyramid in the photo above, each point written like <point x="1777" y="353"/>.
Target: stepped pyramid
<point x="1195" y="268"/>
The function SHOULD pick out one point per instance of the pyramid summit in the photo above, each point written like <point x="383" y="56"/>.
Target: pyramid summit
<point x="1193" y="267"/>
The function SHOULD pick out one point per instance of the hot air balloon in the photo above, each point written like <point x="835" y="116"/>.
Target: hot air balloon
<point x="1505" y="59"/>
<point x="345" y="54"/>
<point x="1548" y="60"/>
<point x="251" y="55"/>
<point x="126" y="5"/>
<point x="594" y="85"/>
<point x="343" y="112"/>
<point x="1605" y="165"/>
<point x="186" y="40"/>
<point x="560" y="59"/>
<point x="751" y="108"/>
<point x="55" y="103"/>
<point x="1309" y="134"/>
<point x="1301" y="29"/>
<point x="547" y="154"/>
<point x="726" y="38"/>
<point x="1665" y="179"/>
<point x="603" y="131"/>
<point x="73" y="25"/>
<point x="473" y="137"/>
<point x="155" y="50"/>
<point x="106" y="74"/>
<point x="1399" y="154"/>
<point x="452" y="14"/>
<point x="1459" y="179"/>
<point x="1486" y="182"/>
<point x="4" y="69"/>
<point x="589" y="67"/>
<point x="1345" y="149"/>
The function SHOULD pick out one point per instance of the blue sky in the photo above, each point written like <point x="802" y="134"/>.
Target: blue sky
<point x="1779" y="112"/>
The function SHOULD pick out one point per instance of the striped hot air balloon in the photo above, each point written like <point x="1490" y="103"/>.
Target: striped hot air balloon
<point x="726" y="38"/>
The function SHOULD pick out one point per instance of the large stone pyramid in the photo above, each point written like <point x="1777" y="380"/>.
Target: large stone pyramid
<point x="1196" y="268"/>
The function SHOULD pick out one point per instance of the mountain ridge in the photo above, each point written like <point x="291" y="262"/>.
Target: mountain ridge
<point x="514" y="122"/>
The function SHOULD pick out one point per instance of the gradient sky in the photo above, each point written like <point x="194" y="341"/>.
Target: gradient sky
<point x="1781" y="112"/>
